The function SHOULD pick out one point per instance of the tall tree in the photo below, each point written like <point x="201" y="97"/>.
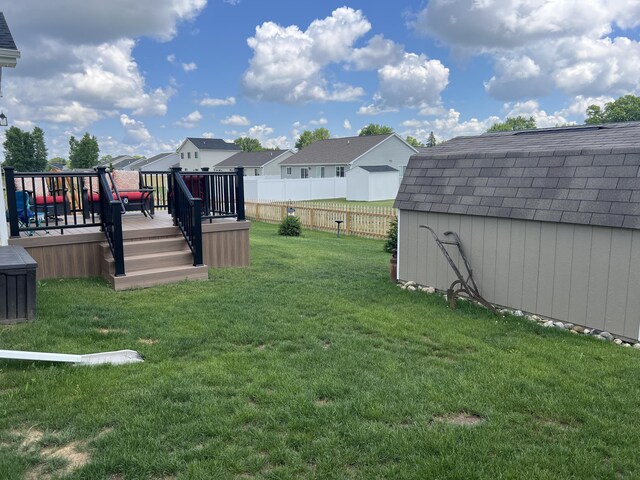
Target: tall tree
<point x="83" y="153"/>
<point x="248" y="144"/>
<point x="432" y="141"/>
<point x="414" y="142"/>
<point x="514" y="123"/>
<point x="375" y="129"/>
<point x="308" y="137"/>
<point x="39" y="150"/>
<point x="624" y="109"/>
<point x="25" y="151"/>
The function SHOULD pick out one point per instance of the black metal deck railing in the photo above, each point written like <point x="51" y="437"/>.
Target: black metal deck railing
<point x="38" y="201"/>
<point x="111" y="221"/>
<point x="222" y="193"/>
<point x="187" y="214"/>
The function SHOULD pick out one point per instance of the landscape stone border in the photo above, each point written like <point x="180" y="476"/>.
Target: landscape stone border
<point x="544" y="322"/>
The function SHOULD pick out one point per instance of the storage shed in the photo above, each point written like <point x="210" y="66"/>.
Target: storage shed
<point x="369" y="183"/>
<point x="549" y="220"/>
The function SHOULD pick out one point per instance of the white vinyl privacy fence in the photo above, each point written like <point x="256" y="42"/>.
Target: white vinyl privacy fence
<point x="293" y="189"/>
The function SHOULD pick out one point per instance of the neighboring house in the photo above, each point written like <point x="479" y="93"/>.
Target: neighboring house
<point x="265" y="162"/>
<point x="121" y="162"/>
<point x="549" y="220"/>
<point x="334" y="157"/>
<point x="160" y="162"/>
<point x="196" y="153"/>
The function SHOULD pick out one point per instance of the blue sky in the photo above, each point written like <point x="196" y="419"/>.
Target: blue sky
<point x="144" y="75"/>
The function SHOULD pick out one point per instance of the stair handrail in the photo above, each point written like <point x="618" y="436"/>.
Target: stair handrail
<point x="111" y="221"/>
<point x="186" y="211"/>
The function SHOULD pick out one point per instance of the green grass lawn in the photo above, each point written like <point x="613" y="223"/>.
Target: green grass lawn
<point x="309" y="364"/>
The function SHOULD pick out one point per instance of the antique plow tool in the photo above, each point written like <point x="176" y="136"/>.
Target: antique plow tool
<point x="467" y="286"/>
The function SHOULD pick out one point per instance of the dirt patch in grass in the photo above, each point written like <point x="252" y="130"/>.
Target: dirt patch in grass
<point x="461" y="419"/>
<point x="107" y="331"/>
<point x="326" y="344"/>
<point x="148" y="341"/>
<point x="55" y="461"/>
<point x="323" y="402"/>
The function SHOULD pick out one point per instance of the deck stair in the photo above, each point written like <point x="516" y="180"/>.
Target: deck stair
<point x="152" y="257"/>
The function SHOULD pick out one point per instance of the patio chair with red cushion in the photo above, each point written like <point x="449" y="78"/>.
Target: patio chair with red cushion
<point x="126" y="187"/>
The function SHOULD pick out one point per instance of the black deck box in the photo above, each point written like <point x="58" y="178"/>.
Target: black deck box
<point x="17" y="285"/>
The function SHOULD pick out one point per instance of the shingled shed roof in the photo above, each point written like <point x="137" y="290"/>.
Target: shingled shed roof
<point x="584" y="175"/>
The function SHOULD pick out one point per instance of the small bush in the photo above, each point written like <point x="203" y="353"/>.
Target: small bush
<point x="392" y="237"/>
<point x="290" y="226"/>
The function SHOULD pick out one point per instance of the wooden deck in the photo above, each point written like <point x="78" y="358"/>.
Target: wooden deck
<point x="77" y="252"/>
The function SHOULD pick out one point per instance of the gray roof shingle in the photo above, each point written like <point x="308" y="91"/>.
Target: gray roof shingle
<point x="213" y="144"/>
<point x="582" y="175"/>
<point x="250" y="159"/>
<point x="335" y="151"/>
<point x="6" y="39"/>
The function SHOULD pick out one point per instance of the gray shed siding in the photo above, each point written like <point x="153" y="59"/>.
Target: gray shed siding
<point x="587" y="275"/>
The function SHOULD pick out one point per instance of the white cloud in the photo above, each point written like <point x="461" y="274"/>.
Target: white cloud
<point x="264" y="134"/>
<point x="78" y="72"/>
<point x="189" y="67"/>
<point x="171" y="58"/>
<point x="135" y="131"/>
<point x="190" y="120"/>
<point x="415" y="82"/>
<point x="238" y="120"/>
<point x="539" y="46"/>
<point x="378" y="52"/>
<point x="346" y="124"/>
<point x="287" y="64"/>
<point x="320" y="121"/>
<point x="217" y="102"/>
<point x="208" y="135"/>
<point x="101" y="21"/>
<point x="531" y="108"/>
<point x="447" y="126"/>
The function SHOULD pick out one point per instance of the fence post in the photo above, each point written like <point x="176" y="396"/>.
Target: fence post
<point x="11" y="201"/>
<point x="240" y="193"/>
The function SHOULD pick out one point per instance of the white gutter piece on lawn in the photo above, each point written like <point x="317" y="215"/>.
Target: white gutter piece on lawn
<point x="119" y="357"/>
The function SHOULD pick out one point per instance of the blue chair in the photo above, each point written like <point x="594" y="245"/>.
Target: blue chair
<point x="26" y="216"/>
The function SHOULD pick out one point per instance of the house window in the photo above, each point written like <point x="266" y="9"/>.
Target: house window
<point x="195" y="154"/>
<point x="339" y="171"/>
<point x="188" y="154"/>
<point x="320" y="172"/>
<point x="181" y="155"/>
<point x="304" y="173"/>
<point x="288" y="170"/>
<point x="256" y="171"/>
